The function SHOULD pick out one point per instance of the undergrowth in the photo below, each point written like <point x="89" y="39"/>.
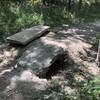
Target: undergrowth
<point x="16" y="16"/>
<point x="83" y="90"/>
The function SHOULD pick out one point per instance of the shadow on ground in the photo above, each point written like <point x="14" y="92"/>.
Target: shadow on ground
<point x="20" y="83"/>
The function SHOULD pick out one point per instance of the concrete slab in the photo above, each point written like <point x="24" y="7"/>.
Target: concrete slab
<point x="40" y="54"/>
<point x="28" y="35"/>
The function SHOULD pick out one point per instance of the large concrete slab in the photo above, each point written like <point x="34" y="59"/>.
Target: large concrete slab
<point x="40" y="54"/>
<point x="28" y="35"/>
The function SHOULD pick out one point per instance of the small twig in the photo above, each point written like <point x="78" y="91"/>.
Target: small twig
<point x="98" y="55"/>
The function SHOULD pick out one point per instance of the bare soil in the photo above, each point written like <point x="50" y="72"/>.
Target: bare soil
<point x="17" y="83"/>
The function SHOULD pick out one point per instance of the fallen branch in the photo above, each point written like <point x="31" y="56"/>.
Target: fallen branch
<point x="98" y="55"/>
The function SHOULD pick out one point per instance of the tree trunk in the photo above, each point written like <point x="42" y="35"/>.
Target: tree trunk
<point x="80" y="4"/>
<point x="69" y="4"/>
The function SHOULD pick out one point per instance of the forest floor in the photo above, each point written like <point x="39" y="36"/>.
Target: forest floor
<point x="79" y="67"/>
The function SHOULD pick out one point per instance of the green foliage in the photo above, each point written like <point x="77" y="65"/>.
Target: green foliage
<point x="87" y="90"/>
<point x="55" y="92"/>
<point x="15" y="16"/>
<point x="18" y="14"/>
<point x="90" y="90"/>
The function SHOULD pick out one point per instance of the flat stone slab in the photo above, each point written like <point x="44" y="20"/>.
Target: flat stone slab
<point x="40" y="54"/>
<point x="28" y="35"/>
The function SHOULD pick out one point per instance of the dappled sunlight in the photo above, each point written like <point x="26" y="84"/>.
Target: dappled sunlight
<point x="19" y="79"/>
<point x="49" y="41"/>
<point x="92" y="68"/>
<point x="40" y="54"/>
<point x="7" y="58"/>
<point x="73" y="39"/>
<point x="72" y="30"/>
<point x="12" y="84"/>
<point x="97" y="23"/>
<point x="22" y="85"/>
<point x="2" y="71"/>
<point x="26" y="75"/>
<point x="79" y="78"/>
<point x="59" y="64"/>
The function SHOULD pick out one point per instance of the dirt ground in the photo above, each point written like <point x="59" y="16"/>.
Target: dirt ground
<point x="17" y="83"/>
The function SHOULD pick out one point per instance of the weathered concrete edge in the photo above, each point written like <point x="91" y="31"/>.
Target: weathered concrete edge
<point x="9" y="40"/>
<point x="43" y="70"/>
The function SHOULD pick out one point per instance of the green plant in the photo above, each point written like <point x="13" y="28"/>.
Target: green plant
<point x="55" y="92"/>
<point x="90" y="90"/>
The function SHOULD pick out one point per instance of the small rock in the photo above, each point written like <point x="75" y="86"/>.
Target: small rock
<point x="7" y="54"/>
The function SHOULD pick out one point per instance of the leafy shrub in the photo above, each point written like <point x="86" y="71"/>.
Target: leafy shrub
<point x="90" y="90"/>
<point x="15" y="16"/>
<point x="55" y="92"/>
